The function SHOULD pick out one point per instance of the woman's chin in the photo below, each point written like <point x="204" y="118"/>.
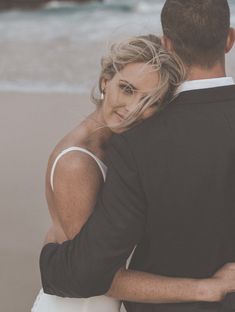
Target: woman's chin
<point x="119" y="129"/>
<point x="117" y="126"/>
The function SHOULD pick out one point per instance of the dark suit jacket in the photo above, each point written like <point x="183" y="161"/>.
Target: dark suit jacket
<point x="170" y="189"/>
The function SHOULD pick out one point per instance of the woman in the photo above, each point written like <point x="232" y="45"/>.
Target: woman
<point x="137" y="77"/>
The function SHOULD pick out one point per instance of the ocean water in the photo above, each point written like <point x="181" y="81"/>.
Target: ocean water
<point x="58" y="48"/>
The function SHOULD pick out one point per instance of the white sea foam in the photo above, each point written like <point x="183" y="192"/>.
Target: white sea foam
<point x="55" y="4"/>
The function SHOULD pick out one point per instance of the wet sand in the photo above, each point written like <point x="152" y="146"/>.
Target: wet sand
<point x="31" y="124"/>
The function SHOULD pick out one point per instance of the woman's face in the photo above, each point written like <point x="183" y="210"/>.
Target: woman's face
<point x="125" y="90"/>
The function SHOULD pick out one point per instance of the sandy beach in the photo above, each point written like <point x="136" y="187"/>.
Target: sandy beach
<point x="31" y="124"/>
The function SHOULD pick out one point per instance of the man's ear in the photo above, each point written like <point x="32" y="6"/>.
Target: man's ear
<point x="230" y="40"/>
<point x="167" y="43"/>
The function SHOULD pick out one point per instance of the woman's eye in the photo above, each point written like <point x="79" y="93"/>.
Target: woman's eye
<point x="126" y="89"/>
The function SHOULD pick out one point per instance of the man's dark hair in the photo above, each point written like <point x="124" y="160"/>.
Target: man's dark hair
<point x="198" y="29"/>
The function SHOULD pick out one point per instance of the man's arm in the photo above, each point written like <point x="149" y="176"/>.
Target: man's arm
<point x="86" y="265"/>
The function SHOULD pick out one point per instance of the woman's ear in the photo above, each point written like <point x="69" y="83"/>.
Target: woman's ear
<point x="230" y="40"/>
<point x="103" y="84"/>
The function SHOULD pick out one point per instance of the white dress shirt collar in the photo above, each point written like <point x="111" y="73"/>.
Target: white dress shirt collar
<point x="205" y="84"/>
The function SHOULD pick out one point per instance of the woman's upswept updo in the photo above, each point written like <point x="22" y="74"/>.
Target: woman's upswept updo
<point x="149" y="50"/>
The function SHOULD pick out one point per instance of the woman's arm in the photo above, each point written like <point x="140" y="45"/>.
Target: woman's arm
<point x="77" y="181"/>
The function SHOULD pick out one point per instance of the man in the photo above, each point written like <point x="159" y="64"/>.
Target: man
<point x="170" y="184"/>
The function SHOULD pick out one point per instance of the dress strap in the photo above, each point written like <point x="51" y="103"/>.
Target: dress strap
<point x="101" y="165"/>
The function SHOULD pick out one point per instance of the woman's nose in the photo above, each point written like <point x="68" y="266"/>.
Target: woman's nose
<point x="131" y="105"/>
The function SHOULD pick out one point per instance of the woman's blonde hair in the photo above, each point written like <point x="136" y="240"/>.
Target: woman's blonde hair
<point x="149" y="50"/>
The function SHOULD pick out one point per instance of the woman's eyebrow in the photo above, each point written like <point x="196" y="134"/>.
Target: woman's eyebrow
<point x="127" y="82"/>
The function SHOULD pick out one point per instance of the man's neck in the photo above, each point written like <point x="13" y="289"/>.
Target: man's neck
<point x="197" y="73"/>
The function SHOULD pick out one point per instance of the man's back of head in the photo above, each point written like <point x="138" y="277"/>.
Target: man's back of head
<point x="199" y="30"/>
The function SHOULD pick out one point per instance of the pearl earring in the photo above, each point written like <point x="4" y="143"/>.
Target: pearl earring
<point x="102" y="95"/>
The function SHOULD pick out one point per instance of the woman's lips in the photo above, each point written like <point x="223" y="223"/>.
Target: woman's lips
<point x="120" y="116"/>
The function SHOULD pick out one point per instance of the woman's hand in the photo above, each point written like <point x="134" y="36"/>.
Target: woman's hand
<point x="55" y="235"/>
<point x="50" y="236"/>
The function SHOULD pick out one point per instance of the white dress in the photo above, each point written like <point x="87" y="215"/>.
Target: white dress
<point x="50" y="303"/>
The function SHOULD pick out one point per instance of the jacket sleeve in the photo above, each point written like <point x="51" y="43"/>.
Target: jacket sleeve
<point x="86" y="265"/>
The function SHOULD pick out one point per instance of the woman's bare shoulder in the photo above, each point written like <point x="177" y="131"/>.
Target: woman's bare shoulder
<point x="78" y="161"/>
<point x="73" y="167"/>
